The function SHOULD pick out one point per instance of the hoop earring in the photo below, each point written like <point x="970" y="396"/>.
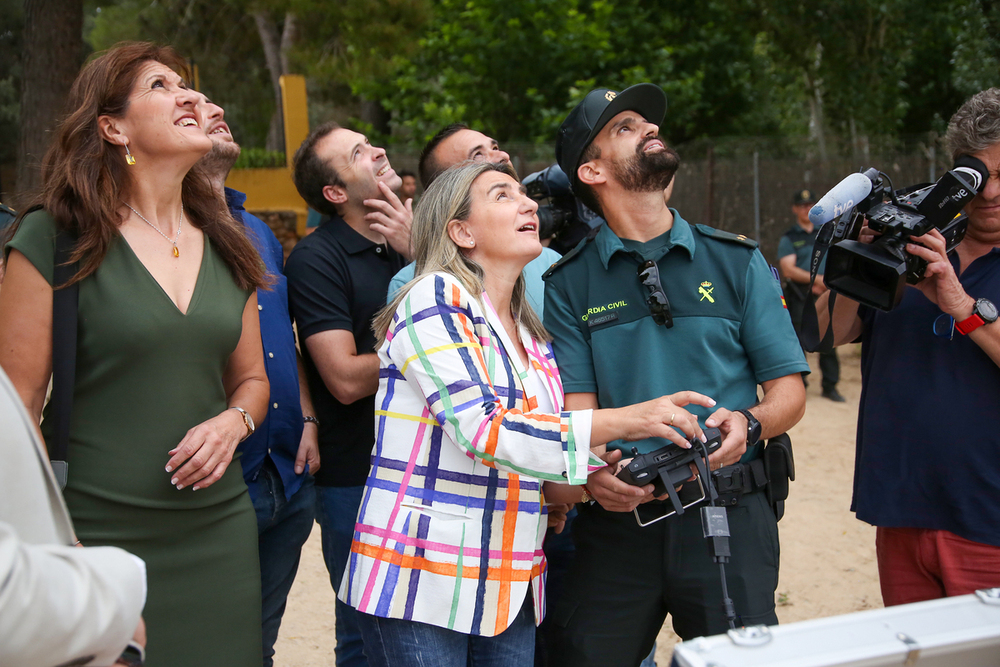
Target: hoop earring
<point x="129" y="158"/>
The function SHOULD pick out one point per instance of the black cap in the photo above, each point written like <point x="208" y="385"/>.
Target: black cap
<point x="593" y="113"/>
<point x="803" y="197"/>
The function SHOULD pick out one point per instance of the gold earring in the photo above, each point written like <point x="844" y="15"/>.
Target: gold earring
<point x="129" y="158"/>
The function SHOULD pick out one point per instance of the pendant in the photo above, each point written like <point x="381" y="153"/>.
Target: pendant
<point x="177" y="253"/>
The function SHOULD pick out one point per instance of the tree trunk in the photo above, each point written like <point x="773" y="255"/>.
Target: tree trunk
<point x="373" y="113"/>
<point x="276" y="50"/>
<point x="817" y="122"/>
<point x="53" y="51"/>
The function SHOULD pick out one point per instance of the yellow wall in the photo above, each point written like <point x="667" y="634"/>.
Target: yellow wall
<point x="273" y="189"/>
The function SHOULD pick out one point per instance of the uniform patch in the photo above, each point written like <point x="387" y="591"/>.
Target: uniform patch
<point x="603" y="309"/>
<point x="602" y="319"/>
<point x="783" y="302"/>
<point x="705" y="290"/>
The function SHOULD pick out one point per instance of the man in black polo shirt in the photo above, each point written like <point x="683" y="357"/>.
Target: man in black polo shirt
<point x="337" y="280"/>
<point x="794" y="256"/>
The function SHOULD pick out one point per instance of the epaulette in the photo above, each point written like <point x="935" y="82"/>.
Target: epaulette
<point x="726" y="236"/>
<point x="591" y="235"/>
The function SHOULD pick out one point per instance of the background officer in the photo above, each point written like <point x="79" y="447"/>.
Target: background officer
<point x="794" y="257"/>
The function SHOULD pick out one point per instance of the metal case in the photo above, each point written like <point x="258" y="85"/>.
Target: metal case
<point x="961" y="631"/>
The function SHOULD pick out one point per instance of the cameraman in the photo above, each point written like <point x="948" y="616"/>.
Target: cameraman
<point x="927" y="468"/>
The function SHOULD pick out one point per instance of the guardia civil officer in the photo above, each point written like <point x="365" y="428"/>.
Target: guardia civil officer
<point x="651" y="305"/>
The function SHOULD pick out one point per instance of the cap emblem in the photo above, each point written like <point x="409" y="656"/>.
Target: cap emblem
<point x="610" y="95"/>
<point x="805" y="195"/>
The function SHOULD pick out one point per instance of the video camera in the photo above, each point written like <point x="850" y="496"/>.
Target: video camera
<point x="876" y="274"/>
<point x="561" y="216"/>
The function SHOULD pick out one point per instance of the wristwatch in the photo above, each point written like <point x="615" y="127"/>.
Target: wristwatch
<point x="983" y="312"/>
<point x="132" y="656"/>
<point x="753" y="428"/>
<point x="247" y="421"/>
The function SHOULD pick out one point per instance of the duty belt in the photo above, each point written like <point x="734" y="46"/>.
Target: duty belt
<point x="735" y="481"/>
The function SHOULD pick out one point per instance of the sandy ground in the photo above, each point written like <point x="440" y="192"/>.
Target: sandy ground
<point x="827" y="556"/>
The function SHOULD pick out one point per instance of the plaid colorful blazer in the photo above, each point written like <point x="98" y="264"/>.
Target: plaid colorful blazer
<point x="451" y="523"/>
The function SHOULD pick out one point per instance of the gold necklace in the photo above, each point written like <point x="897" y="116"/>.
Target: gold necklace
<point x="177" y="252"/>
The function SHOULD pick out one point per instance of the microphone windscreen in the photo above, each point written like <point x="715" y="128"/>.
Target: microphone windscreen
<point x="842" y="197"/>
<point x="973" y="169"/>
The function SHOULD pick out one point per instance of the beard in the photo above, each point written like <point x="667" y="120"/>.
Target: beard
<point x="646" y="172"/>
<point x="221" y="158"/>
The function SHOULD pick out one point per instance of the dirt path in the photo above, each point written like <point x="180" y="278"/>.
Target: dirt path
<point x="827" y="556"/>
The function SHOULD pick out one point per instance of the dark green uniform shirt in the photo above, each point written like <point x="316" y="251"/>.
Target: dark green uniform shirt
<point x="731" y="330"/>
<point x="797" y="241"/>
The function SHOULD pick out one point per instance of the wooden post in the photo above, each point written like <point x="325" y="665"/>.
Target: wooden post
<point x="295" y="112"/>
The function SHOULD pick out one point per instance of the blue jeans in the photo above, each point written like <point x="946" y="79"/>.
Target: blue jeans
<point x="393" y="642"/>
<point x="282" y="528"/>
<point x="337" y="512"/>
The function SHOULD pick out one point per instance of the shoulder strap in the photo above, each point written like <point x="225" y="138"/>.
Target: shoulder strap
<point x="810" y="337"/>
<point x="64" y="332"/>
<point x="726" y="236"/>
<point x="591" y="235"/>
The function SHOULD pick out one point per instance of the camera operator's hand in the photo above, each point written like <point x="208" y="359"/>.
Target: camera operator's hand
<point x="734" y="437"/>
<point x="940" y="283"/>
<point x="612" y="493"/>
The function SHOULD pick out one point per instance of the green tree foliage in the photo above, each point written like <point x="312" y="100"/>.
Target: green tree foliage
<point x="216" y="35"/>
<point x="515" y="68"/>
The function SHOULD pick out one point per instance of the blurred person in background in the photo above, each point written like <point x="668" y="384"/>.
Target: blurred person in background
<point x="794" y="257"/>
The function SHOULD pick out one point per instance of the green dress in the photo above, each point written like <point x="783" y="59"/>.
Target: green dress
<point x="145" y="374"/>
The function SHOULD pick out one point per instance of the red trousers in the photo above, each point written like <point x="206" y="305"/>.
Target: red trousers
<point x="917" y="564"/>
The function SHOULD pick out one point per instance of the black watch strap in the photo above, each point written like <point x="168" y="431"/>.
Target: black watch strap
<point x="753" y="427"/>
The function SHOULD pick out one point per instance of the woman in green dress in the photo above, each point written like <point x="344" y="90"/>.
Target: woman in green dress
<point x="169" y="367"/>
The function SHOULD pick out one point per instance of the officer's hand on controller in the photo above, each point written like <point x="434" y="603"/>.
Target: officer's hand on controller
<point x="734" y="437"/>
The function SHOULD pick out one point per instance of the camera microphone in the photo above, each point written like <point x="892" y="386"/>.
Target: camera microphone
<point x="841" y="198"/>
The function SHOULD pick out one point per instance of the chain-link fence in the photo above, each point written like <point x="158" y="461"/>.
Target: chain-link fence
<point x="746" y="185"/>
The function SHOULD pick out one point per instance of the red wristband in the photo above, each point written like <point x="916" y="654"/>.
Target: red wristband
<point x="970" y="324"/>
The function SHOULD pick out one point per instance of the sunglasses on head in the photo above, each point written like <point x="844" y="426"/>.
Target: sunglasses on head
<point x="659" y="305"/>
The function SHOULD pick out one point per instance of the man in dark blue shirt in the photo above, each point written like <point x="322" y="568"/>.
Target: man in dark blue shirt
<point x="282" y="454"/>
<point x="927" y="468"/>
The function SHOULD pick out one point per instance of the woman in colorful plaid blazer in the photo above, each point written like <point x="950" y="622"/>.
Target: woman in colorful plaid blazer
<point x="469" y="424"/>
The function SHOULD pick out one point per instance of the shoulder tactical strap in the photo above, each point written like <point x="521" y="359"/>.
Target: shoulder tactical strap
<point x="65" y="302"/>
<point x="591" y="235"/>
